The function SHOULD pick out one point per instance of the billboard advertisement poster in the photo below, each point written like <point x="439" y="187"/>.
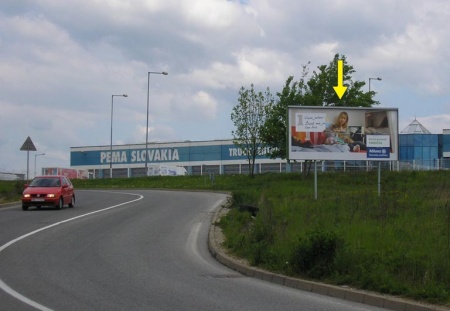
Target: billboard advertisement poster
<point x="378" y="146"/>
<point x="342" y="133"/>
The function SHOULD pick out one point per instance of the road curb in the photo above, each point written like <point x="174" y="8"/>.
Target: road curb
<point x="216" y="238"/>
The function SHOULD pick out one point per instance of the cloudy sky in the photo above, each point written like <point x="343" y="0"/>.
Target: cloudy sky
<point x="61" y="62"/>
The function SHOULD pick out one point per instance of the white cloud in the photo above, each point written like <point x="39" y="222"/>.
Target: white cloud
<point x="416" y="53"/>
<point x="258" y="66"/>
<point x="215" y="14"/>
<point x="205" y="105"/>
<point x="161" y="133"/>
<point x="193" y="107"/>
<point x="324" y="50"/>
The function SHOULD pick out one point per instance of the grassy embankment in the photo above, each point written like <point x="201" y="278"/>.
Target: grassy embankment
<point x="10" y="190"/>
<point x="398" y="243"/>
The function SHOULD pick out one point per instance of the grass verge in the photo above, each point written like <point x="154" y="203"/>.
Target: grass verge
<point x="398" y="243"/>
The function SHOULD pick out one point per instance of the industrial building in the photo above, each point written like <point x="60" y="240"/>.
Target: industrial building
<point x="198" y="158"/>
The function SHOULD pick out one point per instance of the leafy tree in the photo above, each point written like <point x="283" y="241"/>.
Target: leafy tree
<point x="317" y="91"/>
<point x="320" y="90"/>
<point x="249" y="117"/>
<point x="275" y="128"/>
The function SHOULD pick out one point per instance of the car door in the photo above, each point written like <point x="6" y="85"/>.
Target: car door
<point x="66" y="191"/>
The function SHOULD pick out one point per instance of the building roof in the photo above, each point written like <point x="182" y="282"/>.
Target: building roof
<point x="415" y="128"/>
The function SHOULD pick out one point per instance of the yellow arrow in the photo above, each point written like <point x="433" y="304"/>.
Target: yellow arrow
<point x="340" y="88"/>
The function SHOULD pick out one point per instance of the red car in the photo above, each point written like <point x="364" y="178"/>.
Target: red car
<point x="54" y="190"/>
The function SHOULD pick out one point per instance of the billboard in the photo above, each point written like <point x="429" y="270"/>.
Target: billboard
<point x="342" y="133"/>
<point x="68" y="172"/>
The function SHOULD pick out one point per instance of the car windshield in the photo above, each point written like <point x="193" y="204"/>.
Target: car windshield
<point x="46" y="182"/>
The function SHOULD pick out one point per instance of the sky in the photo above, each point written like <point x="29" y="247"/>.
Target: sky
<point x="61" y="62"/>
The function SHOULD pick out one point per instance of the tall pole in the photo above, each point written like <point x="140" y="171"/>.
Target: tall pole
<point x="379" y="162"/>
<point x="148" y="102"/>
<point x="28" y="146"/>
<point x="379" y="79"/>
<point x="315" y="180"/>
<point x="28" y="164"/>
<point x="110" y="146"/>
<point x="35" y="156"/>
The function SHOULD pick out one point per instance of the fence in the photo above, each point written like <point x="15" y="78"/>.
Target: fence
<point x="413" y="165"/>
<point x="283" y="167"/>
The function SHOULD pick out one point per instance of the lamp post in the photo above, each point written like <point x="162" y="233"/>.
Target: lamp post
<point x="146" y="131"/>
<point x="379" y="79"/>
<point x="110" y="147"/>
<point x="35" y="156"/>
<point x="379" y="162"/>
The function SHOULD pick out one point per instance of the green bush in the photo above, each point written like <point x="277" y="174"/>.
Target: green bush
<point x="315" y="254"/>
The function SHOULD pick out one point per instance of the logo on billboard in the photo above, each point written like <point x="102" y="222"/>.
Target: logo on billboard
<point x="378" y="146"/>
<point x="375" y="152"/>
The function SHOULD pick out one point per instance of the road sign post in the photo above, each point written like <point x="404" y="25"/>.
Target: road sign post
<point x="28" y="146"/>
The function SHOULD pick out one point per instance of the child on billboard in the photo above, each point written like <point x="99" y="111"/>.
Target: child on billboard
<point x="338" y="133"/>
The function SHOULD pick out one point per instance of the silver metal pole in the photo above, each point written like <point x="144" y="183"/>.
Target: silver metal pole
<point x="315" y="180"/>
<point x="379" y="178"/>
<point x="28" y="163"/>
<point x="146" y="129"/>
<point x="110" y="146"/>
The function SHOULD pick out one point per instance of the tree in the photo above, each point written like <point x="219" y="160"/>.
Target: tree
<point x="275" y="128"/>
<point x="249" y="117"/>
<point x="317" y="91"/>
<point x="320" y="90"/>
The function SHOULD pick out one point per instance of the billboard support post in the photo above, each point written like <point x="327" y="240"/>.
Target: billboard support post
<point x="379" y="178"/>
<point x="315" y="180"/>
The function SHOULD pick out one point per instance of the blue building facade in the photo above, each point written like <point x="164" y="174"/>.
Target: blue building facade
<point x="419" y="148"/>
<point x="198" y="158"/>
<point x="446" y="144"/>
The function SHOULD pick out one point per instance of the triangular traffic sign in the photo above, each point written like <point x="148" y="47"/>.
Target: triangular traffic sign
<point x="28" y="145"/>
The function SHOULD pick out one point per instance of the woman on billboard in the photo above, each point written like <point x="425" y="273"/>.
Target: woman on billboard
<point x="338" y="133"/>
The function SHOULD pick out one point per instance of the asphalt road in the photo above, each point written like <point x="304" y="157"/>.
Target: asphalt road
<point x="130" y="250"/>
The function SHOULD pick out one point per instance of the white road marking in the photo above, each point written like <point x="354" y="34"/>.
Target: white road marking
<point x="26" y="300"/>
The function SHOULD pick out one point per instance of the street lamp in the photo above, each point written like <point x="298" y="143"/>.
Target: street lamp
<point x="379" y="79"/>
<point x="110" y="148"/>
<point x="379" y="162"/>
<point x="35" y="156"/>
<point x="146" y="132"/>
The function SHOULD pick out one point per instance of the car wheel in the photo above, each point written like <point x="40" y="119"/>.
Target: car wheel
<point x="25" y="208"/>
<point x="72" y="202"/>
<point x="61" y="203"/>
